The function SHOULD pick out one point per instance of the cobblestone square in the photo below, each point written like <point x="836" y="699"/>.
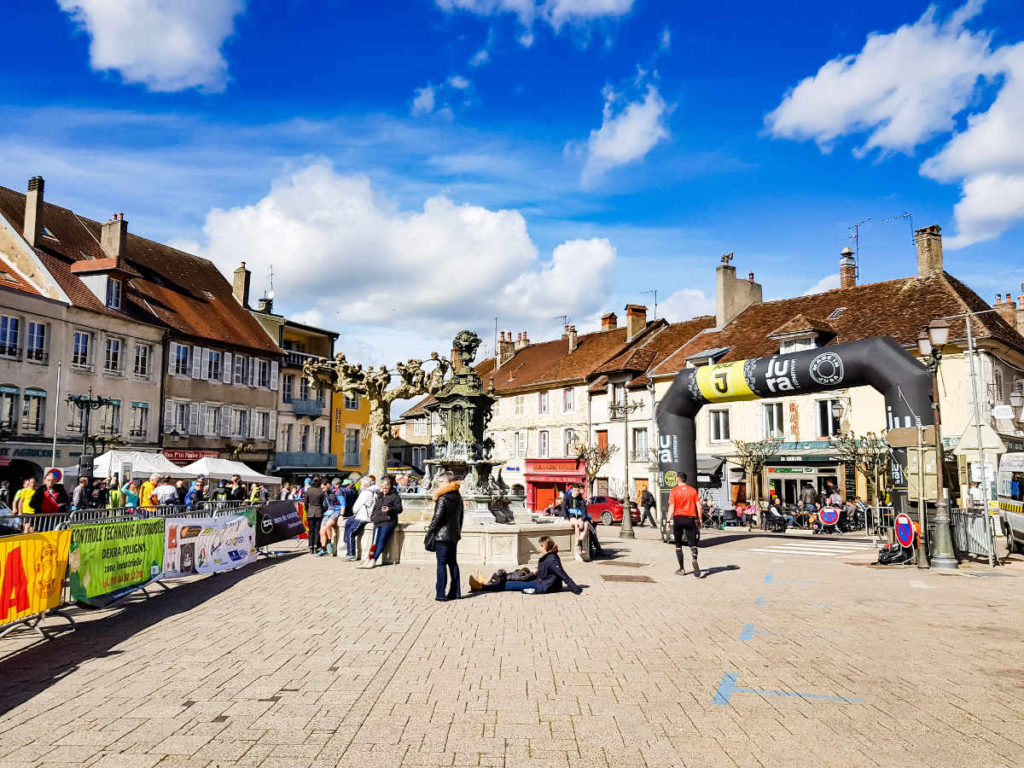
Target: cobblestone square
<point x="791" y="652"/>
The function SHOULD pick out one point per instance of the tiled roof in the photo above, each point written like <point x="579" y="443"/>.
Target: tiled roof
<point x="656" y="346"/>
<point x="175" y="290"/>
<point x="896" y="308"/>
<point x="10" y="279"/>
<point x="802" y="324"/>
<point x="549" y="363"/>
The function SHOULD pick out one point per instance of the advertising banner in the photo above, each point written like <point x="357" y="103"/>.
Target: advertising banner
<point x="108" y="559"/>
<point x="279" y="521"/>
<point x="32" y="569"/>
<point x="206" y="545"/>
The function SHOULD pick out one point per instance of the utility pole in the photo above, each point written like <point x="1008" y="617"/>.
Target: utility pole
<point x="623" y="409"/>
<point x="655" y="292"/>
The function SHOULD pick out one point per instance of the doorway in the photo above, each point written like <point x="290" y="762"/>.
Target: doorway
<point x="641" y="486"/>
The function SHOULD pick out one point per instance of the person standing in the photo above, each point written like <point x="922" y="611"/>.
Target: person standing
<point x="286" y="492"/>
<point x="115" y="496"/>
<point x="683" y="509"/>
<point x="576" y="508"/>
<point x="386" y="509"/>
<point x="165" y="493"/>
<point x="236" y="491"/>
<point x="647" y="504"/>
<point x="446" y="529"/>
<point x="130" y="491"/>
<point x="196" y="496"/>
<point x="146" y="499"/>
<point x="81" y="497"/>
<point x="51" y="498"/>
<point x="315" y="498"/>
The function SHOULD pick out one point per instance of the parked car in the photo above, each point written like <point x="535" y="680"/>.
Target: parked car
<point x="607" y="510"/>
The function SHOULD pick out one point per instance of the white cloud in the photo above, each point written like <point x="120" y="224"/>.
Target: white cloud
<point x="827" y="283"/>
<point x="686" y="303"/>
<point x="458" y="82"/>
<point x="346" y="252"/>
<point x="480" y="58"/>
<point x="908" y="86"/>
<point x="665" y="41"/>
<point x="626" y="134"/>
<point x="903" y="87"/>
<point x="423" y="100"/>
<point x="166" y="45"/>
<point x="556" y="13"/>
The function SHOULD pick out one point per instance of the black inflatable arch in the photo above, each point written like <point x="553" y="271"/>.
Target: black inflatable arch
<point x="878" y="362"/>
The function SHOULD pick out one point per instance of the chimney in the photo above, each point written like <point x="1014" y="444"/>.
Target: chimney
<point x="112" y="236"/>
<point x="733" y="295"/>
<point x="573" y="341"/>
<point x="847" y="269"/>
<point x="929" y="251"/>
<point x="609" y="322"/>
<point x="241" y="285"/>
<point x="506" y="349"/>
<point x="522" y="341"/>
<point x="34" y="211"/>
<point x="565" y="333"/>
<point x="1006" y="310"/>
<point x="636" y="320"/>
<point x="1019" y="325"/>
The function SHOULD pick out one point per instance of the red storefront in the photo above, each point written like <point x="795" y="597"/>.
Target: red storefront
<point x="546" y="477"/>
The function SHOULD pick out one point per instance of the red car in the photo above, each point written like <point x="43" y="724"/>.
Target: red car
<point x="607" y="510"/>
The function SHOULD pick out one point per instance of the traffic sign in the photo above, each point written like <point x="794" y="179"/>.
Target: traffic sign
<point x="904" y="528"/>
<point x="57" y="472"/>
<point x="829" y="515"/>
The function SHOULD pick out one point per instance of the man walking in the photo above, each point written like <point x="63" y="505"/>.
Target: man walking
<point x="683" y="509"/>
<point x="647" y="504"/>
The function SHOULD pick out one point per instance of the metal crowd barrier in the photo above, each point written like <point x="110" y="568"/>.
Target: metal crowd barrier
<point x="41" y="523"/>
<point x="972" y="532"/>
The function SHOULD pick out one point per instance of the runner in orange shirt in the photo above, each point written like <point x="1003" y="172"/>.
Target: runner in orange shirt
<point x="683" y="508"/>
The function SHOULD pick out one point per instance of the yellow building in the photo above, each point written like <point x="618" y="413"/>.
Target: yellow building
<point x="350" y="432"/>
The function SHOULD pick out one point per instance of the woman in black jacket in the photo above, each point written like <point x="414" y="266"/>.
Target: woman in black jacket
<point x="386" y="509"/>
<point x="549" y="576"/>
<point x="446" y="529"/>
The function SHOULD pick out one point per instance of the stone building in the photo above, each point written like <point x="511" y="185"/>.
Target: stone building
<point x="148" y="325"/>
<point x="304" y="439"/>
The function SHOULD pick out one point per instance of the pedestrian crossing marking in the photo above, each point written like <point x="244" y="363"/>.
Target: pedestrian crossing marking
<point x="814" y="548"/>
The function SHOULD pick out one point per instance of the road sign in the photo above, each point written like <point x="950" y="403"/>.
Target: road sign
<point x="906" y="437"/>
<point x="57" y="472"/>
<point x="829" y="515"/>
<point x="904" y="528"/>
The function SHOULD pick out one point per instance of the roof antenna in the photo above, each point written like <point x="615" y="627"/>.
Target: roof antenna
<point x="905" y="215"/>
<point x="270" y="277"/>
<point x="855" y="236"/>
<point x="655" y="292"/>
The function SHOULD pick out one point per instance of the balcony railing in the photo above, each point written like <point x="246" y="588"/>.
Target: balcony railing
<point x="306" y="460"/>
<point x="36" y="355"/>
<point x="307" y="407"/>
<point x="298" y="359"/>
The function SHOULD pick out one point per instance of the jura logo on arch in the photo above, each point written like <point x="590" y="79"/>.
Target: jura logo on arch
<point x="781" y="375"/>
<point x="827" y="369"/>
<point x="668" y="450"/>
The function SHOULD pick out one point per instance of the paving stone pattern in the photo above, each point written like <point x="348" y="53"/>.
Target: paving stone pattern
<point x="307" y="661"/>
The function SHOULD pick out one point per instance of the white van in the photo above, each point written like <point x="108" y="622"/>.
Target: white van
<point x="1010" y="489"/>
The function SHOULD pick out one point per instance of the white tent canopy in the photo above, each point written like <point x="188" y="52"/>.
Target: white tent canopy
<point x="224" y="469"/>
<point x="143" y="465"/>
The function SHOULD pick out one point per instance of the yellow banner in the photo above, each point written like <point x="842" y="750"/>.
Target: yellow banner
<point x="723" y="382"/>
<point x="32" y="569"/>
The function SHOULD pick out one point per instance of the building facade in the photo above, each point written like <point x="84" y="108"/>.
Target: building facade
<point x="350" y="432"/>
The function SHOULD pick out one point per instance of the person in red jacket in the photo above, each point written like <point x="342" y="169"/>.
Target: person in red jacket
<point x="684" y="509"/>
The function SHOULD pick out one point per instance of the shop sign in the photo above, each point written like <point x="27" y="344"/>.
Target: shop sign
<point x="790" y="470"/>
<point x="564" y="465"/>
<point x="182" y="455"/>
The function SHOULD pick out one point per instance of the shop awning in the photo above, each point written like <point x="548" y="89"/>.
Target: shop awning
<point x="708" y="464"/>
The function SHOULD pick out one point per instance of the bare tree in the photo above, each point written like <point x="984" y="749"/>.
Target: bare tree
<point x="596" y="458"/>
<point x="753" y="456"/>
<point x="869" y="453"/>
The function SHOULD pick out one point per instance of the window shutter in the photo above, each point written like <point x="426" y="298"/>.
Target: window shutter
<point x="253" y="365"/>
<point x="172" y="353"/>
<point x="226" y="427"/>
<point x="197" y="362"/>
<point x="193" y="418"/>
<point x="274" y="371"/>
<point x="226" y="369"/>
<point x="169" y="416"/>
<point x="204" y="368"/>
<point x="272" y="431"/>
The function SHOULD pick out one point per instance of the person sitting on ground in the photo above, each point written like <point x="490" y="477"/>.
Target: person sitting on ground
<point x="549" y="576"/>
<point x="362" y="509"/>
<point x="335" y="507"/>
<point x="386" y="509"/>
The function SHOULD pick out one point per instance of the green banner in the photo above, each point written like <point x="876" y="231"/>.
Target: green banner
<point x="114" y="557"/>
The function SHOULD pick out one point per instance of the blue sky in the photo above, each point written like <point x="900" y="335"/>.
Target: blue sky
<point x="410" y="168"/>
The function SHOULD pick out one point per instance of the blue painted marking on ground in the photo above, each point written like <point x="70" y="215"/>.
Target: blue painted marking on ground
<point x="768" y="579"/>
<point x="727" y="687"/>
<point x="748" y="632"/>
<point x="759" y="601"/>
<point x="824" y="605"/>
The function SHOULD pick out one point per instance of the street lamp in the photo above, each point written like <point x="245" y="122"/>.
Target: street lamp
<point x="623" y="409"/>
<point x="930" y="342"/>
<point x="87" y="404"/>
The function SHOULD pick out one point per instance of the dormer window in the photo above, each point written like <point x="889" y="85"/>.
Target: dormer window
<point x="114" y="289"/>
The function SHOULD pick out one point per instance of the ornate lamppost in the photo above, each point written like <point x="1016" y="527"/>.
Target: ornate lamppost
<point x="930" y="343"/>
<point x="87" y="404"/>
<point x="623" y="409"/>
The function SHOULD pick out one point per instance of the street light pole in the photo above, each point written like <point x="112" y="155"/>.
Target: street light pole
<point x="624" y="409"/>
<point x="87" y="404"/>
<point x="930" y="343"/>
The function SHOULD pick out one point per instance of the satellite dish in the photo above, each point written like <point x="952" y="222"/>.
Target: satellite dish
<point x="270" y="294"/>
